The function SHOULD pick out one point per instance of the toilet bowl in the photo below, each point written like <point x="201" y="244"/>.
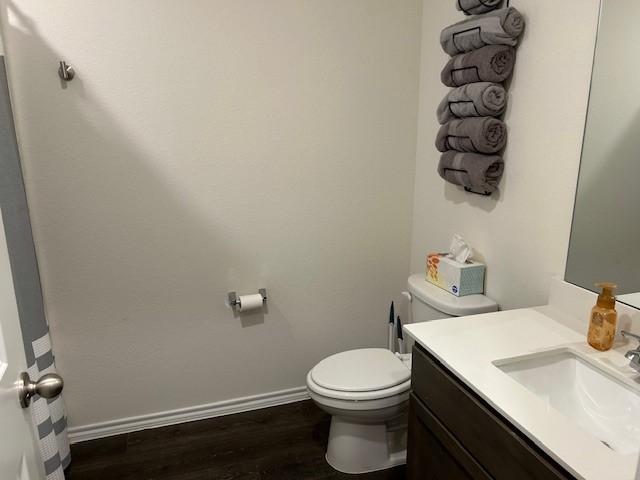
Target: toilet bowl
<point x="366" y="391"/>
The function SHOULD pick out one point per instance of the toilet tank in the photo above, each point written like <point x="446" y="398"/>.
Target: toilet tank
<point x="429" y="302"/>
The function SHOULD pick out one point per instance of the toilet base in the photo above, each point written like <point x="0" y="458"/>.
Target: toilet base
<point x="361" y="447"/>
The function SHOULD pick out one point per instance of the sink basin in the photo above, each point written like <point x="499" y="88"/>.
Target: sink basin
<point x="598" y="402"/>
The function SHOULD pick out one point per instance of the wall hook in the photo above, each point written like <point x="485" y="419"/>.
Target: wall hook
<point x="66" y="72"/>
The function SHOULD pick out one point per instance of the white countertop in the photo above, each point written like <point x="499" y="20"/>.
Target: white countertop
<point x="468" y="346"/>
<point x="630" y="298"/>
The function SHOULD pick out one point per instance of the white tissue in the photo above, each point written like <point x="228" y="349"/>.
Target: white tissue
<point x="250" y="302"/>
<point x="459" y="250"/>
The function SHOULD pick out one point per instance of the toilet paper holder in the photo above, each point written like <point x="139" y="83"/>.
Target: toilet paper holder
<point x="234" y="299"/>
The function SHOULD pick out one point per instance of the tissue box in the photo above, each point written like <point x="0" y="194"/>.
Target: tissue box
<point x="457" y="278"/>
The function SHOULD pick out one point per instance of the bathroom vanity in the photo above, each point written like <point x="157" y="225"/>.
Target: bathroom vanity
<point x="521" y="395"/>
<point x="454" y="434"/>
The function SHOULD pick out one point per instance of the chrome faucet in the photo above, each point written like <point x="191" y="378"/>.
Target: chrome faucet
<point x="633" y="355"/>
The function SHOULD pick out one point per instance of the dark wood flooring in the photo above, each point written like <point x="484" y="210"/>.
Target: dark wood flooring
<point x="280" y="443"/>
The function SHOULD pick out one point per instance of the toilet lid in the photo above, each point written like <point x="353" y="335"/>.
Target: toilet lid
<point x="362" y="370"/>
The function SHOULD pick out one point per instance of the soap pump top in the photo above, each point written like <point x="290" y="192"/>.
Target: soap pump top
<point x="607" y="299"/>
<point x="602" y="325"/>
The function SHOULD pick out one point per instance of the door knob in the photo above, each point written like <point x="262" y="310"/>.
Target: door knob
<point x="49" y="386"/>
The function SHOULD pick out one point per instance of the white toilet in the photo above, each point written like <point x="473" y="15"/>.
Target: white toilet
<point x="367" y="390"/>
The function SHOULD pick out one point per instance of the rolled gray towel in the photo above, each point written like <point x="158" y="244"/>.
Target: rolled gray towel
<point x="475" y="7"/>
<point x="493" y="63"/>
<point x="477" y="135"/>
<point x="478" y="173"/>
<point x="500" y="27"/>
<point x="483" y="99"/>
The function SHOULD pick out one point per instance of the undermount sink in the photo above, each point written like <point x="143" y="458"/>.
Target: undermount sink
<point x="593" y="398"/>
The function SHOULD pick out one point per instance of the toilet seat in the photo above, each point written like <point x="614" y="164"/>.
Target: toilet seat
<point x="358" y="397"/>
<point x="361" y="370"/>
<point x="354" y="380"/>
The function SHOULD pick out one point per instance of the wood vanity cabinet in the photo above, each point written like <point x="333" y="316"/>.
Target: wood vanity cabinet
<point x="454" y="434"/>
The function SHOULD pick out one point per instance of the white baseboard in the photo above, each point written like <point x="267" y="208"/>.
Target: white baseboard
<point x="189" y="414"/>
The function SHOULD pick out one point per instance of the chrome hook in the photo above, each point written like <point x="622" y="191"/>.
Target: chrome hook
<point x="66" y="72"/>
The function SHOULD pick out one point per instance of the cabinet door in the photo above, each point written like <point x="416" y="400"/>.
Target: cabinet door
<point x="433" y="453"/>
<point x="489" y="438"/>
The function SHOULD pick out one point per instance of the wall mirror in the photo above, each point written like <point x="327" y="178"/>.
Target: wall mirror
<point x="605" y="235"/>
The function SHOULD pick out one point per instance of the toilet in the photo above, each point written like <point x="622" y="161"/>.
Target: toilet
<point x="366" y="391"/>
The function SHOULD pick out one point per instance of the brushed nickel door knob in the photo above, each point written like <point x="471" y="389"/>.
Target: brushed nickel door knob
<point x="48" y="386"/>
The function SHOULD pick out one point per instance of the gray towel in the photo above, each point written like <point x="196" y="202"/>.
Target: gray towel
<point x="482" y="99"/>
<point x="477" y="135"/>
<point x="475" y="7"/>
<point x="478" y="173"/>
<point x="493" y="63"/>
<point x="500" y="27"/>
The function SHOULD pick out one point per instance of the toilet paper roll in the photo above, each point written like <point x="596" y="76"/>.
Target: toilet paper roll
<point x="250" y="302"/>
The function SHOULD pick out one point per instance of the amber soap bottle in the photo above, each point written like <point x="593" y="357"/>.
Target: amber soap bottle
<point x="602" y="325"/>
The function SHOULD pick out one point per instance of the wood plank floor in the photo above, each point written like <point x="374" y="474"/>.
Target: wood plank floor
<point x="280" y="443"/>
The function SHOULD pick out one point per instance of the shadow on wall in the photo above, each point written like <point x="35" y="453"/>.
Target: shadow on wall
<point x="457" y="195"/>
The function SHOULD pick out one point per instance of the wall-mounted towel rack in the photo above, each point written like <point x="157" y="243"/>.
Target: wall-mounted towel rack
<point x="485" y="194"/>
<point x="471" y="155"/>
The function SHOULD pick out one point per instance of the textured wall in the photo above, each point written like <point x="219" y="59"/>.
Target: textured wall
<point x="207" y="146"/>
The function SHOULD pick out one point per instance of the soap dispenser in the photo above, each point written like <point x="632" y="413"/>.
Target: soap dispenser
<point x="602" y="325"/>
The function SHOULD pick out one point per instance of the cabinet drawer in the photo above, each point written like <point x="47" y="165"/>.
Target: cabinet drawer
<point x="434" y="453"/>
<point x="495" y="444"/>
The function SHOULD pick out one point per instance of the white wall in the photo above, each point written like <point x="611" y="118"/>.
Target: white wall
<point x="522" y="233"/>
<point x="209" y="146"/>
